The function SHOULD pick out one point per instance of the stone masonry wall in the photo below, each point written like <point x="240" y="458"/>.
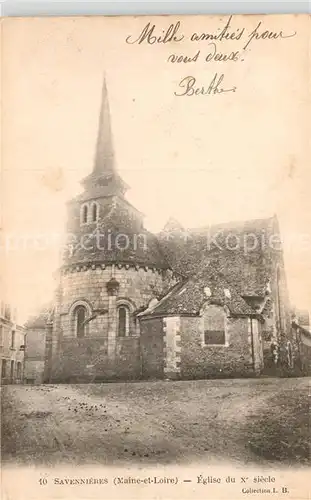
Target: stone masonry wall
<point x="34" y="371"/>
<point x="35" y="355"/>
<point x="87" y="360"/>
<point x="82" y="359"/>
<point x="172" y="347"/>
<point x="254" y="336"/>
<point x="305" y="354"/>
<point x="282" y="325"/>
<point x="202" y="361"/>
<point x="152" y="348"/>
<point x="137" y="286"/>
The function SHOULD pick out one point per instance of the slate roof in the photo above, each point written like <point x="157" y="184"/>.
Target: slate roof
<point x="188" y="297"/>
<point x="135" y="245"/>
<point x="223" y="247"/>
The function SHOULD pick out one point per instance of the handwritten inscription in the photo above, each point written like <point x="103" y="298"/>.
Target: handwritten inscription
<point x="239" y="34"/>
<point x="239" y="37"/>
<point x="148" y="35"/>
<point x="174" y="58"/>
<point x="213" y="56"/>
<point x="190" y="87"/>
<point x="266" y="35"/>
<point x="224" y="33"/>
<point x="173" y="34"/>
<point x="216" y="55"/>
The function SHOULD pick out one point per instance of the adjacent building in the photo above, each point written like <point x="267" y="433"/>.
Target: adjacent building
<point x="12" y="346"/>
<point x="12" y="335"/>
<point x="35" y="352"/>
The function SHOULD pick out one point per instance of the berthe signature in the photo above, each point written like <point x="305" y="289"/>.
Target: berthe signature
<point x="189" y="86"/>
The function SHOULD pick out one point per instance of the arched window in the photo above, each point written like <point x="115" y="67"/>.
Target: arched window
<point x="84" y="214"/>
<point x="94" y="212"/>
<point x="80" y="317"/>
<point x="123" y="321"/>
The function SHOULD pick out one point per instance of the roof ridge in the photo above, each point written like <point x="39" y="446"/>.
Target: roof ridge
<point x="239" y="222"/>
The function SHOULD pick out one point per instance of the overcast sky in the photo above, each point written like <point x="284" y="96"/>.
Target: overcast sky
<point x="201" y="159"/>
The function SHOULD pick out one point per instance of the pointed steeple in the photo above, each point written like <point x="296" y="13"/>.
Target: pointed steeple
<point x="104" y="163"/>
<point x="104" y="170"/>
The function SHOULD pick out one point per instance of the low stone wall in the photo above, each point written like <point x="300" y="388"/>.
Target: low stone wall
<point x="87" y="360"/>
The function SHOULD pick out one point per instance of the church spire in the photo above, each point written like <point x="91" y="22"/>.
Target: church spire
<point x="104" y="163"/>
<point x="104" y="172"/>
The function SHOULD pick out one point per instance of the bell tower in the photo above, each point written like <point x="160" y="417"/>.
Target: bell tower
<point x="101" y="213"/>
<point x="112" y="267"/>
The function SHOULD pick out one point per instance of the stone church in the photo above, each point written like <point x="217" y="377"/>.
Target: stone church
<point x="185" y="303"/>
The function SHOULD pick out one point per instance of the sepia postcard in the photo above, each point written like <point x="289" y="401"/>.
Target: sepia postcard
<point x="155" y="324"/>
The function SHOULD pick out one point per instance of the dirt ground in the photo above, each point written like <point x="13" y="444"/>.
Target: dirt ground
<point x="261" y="421"/>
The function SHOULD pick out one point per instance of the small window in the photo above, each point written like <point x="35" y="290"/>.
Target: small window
<point x="80" y="317"/>
<point x="13" y="339"/>
<point x="216" y="337"/>
<point x="227" y="293"/>
<point x="19" y="370"/>
<point x="94" y="212"/>
<point x="3" y="368"/>
<point x="1" y="335"/>
<point x="123" y="321"/>
<point x="84" y="215"/>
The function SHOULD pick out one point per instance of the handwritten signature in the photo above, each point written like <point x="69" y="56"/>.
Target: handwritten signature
<point x="190" y="86"/>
